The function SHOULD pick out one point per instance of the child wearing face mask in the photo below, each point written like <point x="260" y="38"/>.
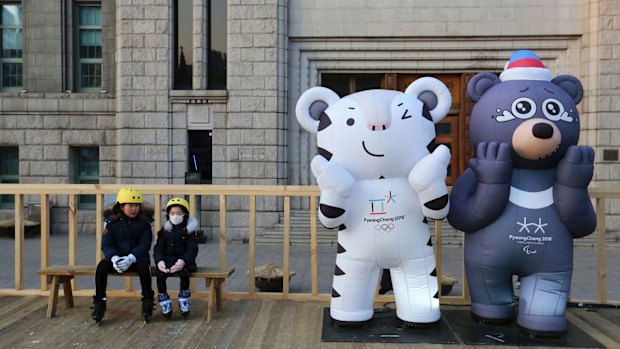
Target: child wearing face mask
<point x="175" y="252"/>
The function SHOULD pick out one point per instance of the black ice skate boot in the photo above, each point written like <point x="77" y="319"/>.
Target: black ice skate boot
<point x="98" y="309"/>
<point x="147" y="308"/>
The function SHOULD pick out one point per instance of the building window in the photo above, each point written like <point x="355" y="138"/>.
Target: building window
<point x="85" y="162"/>
<point x="9" y="173"/>
<point x="199" y="143"/>
<point x="216" y="70"/>
<point x="88" y="47"/>
<point x="12" y="45"/>
<point x="183" y="49"/>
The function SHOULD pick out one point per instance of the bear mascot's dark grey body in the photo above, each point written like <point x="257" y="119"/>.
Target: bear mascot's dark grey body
<point x="524" y="197"/>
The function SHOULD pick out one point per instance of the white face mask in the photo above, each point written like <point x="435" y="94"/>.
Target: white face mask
<point x="176" y="219"/>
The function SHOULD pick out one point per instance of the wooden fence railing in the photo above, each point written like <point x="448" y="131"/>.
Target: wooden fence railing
<point x="224" y="192"/>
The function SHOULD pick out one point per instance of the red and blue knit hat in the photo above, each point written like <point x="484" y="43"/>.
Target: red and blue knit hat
<point x="525" y="65"/>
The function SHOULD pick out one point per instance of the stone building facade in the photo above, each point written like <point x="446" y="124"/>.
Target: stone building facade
<point x="275" y="49"/>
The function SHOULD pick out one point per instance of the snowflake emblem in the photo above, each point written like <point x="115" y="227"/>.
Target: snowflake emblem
<point x="540" y="226"/>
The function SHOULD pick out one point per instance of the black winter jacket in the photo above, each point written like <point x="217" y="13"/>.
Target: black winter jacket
<point x="177" y="242"/>
<point x="123" y="236"/>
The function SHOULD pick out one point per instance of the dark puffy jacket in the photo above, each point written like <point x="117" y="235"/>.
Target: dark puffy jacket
<point x="123" y="236"/>
<point x="177" y="242"/>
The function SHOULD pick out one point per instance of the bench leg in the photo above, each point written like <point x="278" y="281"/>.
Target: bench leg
<point x="218" y="296"/>
<point x="212" y="298"/>
<point x="68" y="292"/>
<point x="53" y="297"/>
<point x="52" y="302"/>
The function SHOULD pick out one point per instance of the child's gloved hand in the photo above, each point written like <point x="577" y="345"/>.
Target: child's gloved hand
<point x="162" y="267"/>
<point x="178" y="266"/>
<point x="115" y="261"/>
<point x="126" y="262"/>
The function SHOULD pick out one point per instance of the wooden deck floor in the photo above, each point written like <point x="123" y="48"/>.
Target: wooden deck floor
<point x="241" y="324"/>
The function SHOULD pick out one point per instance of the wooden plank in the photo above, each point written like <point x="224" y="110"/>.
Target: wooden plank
<point x="222" y="231"/>
<point x="225" y="327"/>
<point x="19" y="242"/>
<point x="252" y="247"/>
<point x="121" y="314"/>
<point x="98" y="228"/>
<point x="285" y="338"/>
<point x="591" y="328"/>
<point x="600" y="247"/>
<point x="315" y="324"/>
<point x="24" y="312"/>
<point x="287" y="246"/>
<point x="9" y="304"/>
<point x="257" y="334"/>
<point x="602" y="323"/>
<point x="45" y="236"/>
<point x="210" y="331"/>
<point x="194" y="325"/>
<point x="23" y="333"/>
<point x="314" y="262"/>
<point x="300" y="326"/>
<point x="273" y="325"/>
<point x="236" y="336"/>
<point x="72" y="225"/>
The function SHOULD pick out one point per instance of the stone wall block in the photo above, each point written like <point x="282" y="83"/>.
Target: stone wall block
<point x="56" y="121"/>
<point x="82" y="137"/>
<point x="42" y="105"/>
<point x="43" y="137"/>
<point x="43" y="168"/>
<point x="54" y="152"/>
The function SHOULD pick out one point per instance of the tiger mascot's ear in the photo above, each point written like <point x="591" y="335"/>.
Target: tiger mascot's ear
<point x="312" y="104"/>
<point x="433" y="94"/>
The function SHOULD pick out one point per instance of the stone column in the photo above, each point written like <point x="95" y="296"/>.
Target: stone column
<point x="143" y="81"/>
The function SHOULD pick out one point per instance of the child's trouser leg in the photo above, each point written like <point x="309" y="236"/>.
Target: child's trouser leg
<point x="101" y="278"/>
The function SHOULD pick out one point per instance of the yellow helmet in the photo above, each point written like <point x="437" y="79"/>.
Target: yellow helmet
<point x="177" y="201"/>
<point x="129" y="195"/>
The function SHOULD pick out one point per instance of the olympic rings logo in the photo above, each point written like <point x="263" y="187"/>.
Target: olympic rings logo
<point x="384" y="228"/>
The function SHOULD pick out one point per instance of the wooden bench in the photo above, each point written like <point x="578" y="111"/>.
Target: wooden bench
<point x="62" y="274"/>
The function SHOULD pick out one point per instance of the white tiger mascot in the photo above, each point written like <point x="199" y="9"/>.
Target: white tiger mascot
<point x="378" y="182"/>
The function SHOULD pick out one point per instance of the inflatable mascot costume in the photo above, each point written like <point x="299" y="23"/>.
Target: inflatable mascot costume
<point x="524" y="197"/>
<point x="378" y="181"/>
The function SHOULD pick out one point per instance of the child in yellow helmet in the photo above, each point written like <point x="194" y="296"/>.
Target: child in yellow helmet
<point x="175" y="252"/>
<point x="125" y="243"/>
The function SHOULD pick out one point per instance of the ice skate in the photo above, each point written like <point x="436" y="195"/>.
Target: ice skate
<point x="166" y="304"/>
<point x="184" y="302"/>
<point x="98" y="310"/>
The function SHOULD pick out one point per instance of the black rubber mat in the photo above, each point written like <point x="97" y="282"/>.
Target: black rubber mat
<point x="385" y="328"/>
<point x="473" y="333"/>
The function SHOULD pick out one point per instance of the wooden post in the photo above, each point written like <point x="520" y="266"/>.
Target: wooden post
<point x="157" y="215"/>
<point x="600" y="245"/>
<point x="73" y="234"/>
<point x="252" y="256"/>
<point x="223" y="231"/>
<point x="19" y="241"/>
<point x="313" y="254"/>
<point x="98" y="227"/>
<point x="287" y="240"/>
<point x="45" y="237"/>
<point x="438" y="230"/>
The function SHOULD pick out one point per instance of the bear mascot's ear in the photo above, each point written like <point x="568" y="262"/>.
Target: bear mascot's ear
<point x="311" y="105"/>
<point x="480" y="83"/>
<point x="433" y="94"/>
<point x="571" y="85"/>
